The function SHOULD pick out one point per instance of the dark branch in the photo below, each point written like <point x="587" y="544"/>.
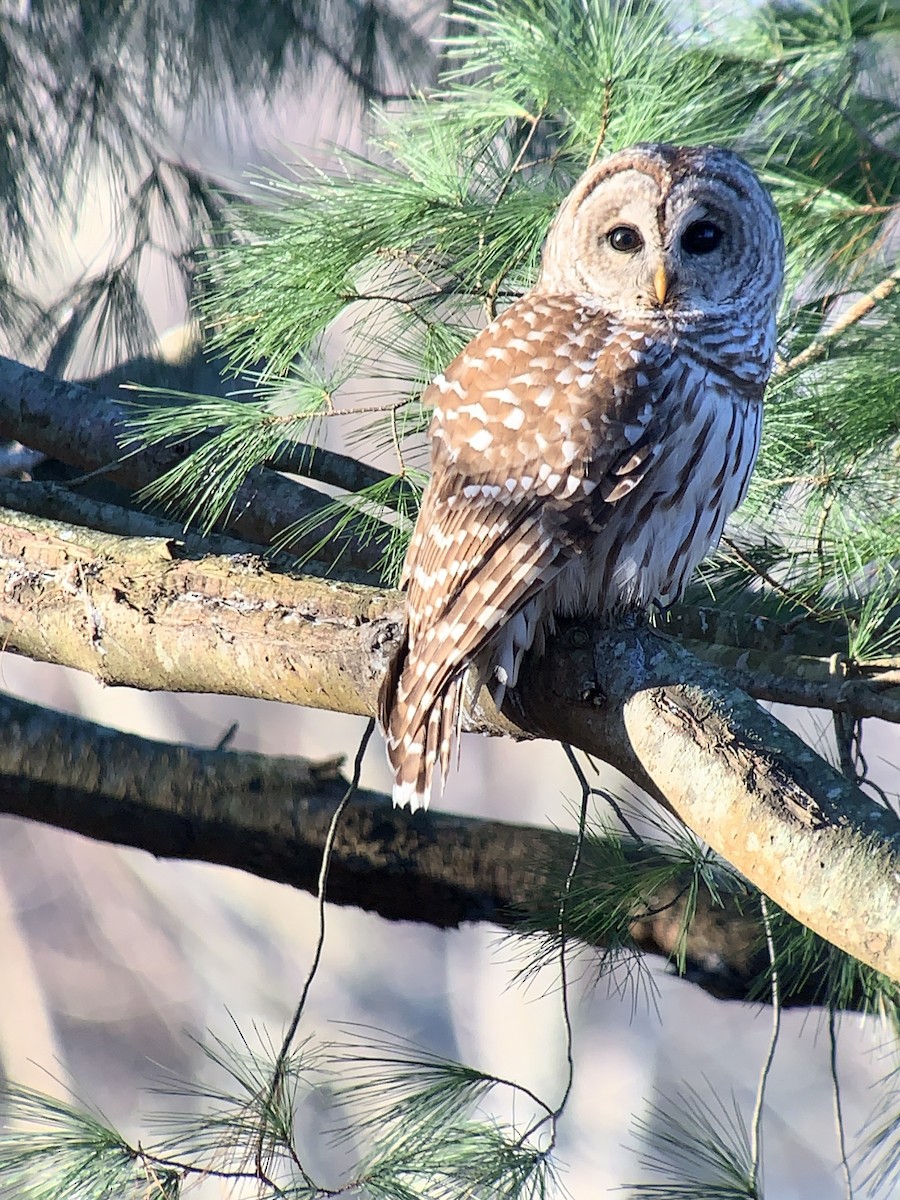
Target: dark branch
<point x="269" y="816"/>
<point x="327" y="466"/>
<point x="84" y="429"/>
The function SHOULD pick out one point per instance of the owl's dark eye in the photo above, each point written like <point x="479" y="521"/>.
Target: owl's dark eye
<point x="625" y="239"/>
<point x="701" y="237"/>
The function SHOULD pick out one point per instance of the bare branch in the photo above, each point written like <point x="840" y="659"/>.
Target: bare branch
<point x="807" y="682"/>
<point x="326" y="466"/>
<point x="84" y="429"/>
<point x="146" y="613"/>
<point x="821" y="345"/>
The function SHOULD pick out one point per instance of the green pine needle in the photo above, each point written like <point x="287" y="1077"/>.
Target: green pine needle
<point x="700" y="1144"/>
<point x="55" y="1150"/>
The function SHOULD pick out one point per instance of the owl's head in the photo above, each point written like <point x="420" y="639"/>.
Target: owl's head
<point x="661" y="229"/>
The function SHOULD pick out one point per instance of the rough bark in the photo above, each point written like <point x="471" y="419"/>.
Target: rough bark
<point x="821" y="848"/>
<point x="130" y="611"/>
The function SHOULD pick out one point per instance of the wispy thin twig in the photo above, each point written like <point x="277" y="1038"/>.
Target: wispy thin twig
<point x="283" y="1054"/>
<point x="756" y="1125"/>
<point x="838" y="1108"/>
<point x="820" y="346"/>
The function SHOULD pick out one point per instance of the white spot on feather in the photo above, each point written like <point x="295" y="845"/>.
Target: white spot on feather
<point x="506" y="395"/>
<point x="481" y="440"/>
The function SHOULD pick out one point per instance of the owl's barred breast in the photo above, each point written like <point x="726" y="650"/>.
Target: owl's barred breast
<point x="602" y="405"/>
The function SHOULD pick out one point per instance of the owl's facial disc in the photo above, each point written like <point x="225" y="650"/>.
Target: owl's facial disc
<point x="651" y="235"/>
<point x="709" y="244"/>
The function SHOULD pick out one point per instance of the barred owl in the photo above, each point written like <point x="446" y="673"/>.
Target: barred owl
<point x="588" y="445"/>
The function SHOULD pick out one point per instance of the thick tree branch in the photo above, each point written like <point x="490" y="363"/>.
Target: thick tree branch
<point x="757" y="794"/>
<point x="84" y="429"/>
<point x="269" y="816"/>
<point x="76" y="596"/>
<point x="141" y="612"/>
<point x="128" y="611"/>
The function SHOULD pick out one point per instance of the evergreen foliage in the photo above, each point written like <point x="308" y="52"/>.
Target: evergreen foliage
<point x="408" y="251"/>
<point x="701" y="1145"/>
<point x="441" y="227"/>
<point x="88" y="86"/>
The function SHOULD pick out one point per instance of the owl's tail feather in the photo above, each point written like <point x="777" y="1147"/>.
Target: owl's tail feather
<point x="418" y="740"/>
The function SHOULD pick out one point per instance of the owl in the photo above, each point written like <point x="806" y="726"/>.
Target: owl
<point x="588" y="446"/>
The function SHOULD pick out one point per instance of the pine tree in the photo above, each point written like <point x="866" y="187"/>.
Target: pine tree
<point x="408" y="251"/>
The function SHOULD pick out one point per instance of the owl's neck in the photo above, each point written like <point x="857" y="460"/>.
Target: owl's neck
<point x="737" y="342"/>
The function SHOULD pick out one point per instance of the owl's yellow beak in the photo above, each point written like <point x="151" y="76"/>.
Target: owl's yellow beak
<point x="660" y="283"/>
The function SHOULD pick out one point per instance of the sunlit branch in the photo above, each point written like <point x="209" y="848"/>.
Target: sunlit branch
<point x="851" y="316"/>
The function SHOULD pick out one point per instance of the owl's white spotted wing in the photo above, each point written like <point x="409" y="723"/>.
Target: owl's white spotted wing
<point x="540" y="427"/>
<point x="590" y="444"/>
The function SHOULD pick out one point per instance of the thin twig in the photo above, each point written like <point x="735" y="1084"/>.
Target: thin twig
<point x="838" y="1108"/>
<point x="151" y="1161"/>
<point x="602" y="794"/>
<point x="388" y="406"/>
<point x="764" y="575"/>
<point x="756" y="1125"/>
<point x="553" y="1117"/>
<point x="284" y="1052"/>
<point x="604" y="121"/>
<point x="404" y="301"/>
<point x="819" y="347"/>
<point x="533" y="122"/>
<point x="397" y="441"/>
<point x="320" y="891"/>
<point x="827" y="506"/>
<point x="563" y="915"/>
